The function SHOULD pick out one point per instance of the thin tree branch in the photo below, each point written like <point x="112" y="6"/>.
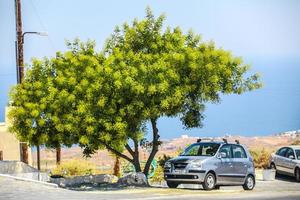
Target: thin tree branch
<point x="117" y="152"/>
<point x="129" y="150"/>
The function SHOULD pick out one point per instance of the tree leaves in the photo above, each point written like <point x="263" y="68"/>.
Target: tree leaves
<point x="103" y="99"/>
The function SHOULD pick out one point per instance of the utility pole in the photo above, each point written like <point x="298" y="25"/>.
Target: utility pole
<point x="20" y="66"/>
<point x="19" y="32"/>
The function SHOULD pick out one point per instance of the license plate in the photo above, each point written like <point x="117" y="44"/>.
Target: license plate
<point x="178" y="171"/>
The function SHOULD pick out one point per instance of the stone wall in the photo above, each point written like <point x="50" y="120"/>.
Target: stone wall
<point x="15" y="167"/>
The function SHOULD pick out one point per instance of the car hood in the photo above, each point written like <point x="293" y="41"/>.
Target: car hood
<point x="188" y="159"/>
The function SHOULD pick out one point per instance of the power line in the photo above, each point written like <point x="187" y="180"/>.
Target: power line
<point x="43" y="26"/>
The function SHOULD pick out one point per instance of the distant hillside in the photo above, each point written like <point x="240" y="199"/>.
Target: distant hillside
<point x="170" y="147"/>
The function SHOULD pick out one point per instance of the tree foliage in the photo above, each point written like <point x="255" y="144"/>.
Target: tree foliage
<point x="146" y="71"/>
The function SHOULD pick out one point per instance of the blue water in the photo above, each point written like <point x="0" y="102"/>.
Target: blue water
<point x="274" y="108"/>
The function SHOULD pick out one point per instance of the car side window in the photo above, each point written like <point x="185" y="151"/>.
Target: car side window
<point x="282" y="151"/>
<point x="238" y="152"/>
<point x="227" y="150"/>
<point x="289" y="153"/>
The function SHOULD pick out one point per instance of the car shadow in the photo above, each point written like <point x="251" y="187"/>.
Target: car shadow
<point x="286" y="178"/>
<point x="194" y="187"/>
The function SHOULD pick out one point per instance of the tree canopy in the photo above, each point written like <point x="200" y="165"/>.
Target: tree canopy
<point x="146" y="71"/>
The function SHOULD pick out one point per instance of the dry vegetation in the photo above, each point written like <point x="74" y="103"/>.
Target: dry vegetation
<point x="260" y="148"/>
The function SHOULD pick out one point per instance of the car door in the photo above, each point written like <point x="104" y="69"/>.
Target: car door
<point x="279" y="159"/>
<point x="240" y="166"/>
<point x="288" y="162"/>
<point x="225" y="165"/>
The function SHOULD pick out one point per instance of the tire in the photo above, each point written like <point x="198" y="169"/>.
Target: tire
<point x="249" y="183"/>
<point x="209" y="181"/>
<point x="297" y="174"/>
<point x="273" y="166"/>
<point x="172" y="184"/>
<point x="217" y="187"/>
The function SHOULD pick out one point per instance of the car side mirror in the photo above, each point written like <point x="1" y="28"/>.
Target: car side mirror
<point x="222" y="155"/>
<point x="291" y="157"/>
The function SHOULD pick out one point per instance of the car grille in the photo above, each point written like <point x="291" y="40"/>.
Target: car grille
<point x="179" y="165"/>
<point x="181" y="176"/>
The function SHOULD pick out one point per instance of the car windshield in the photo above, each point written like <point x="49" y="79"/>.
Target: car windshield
<point x="201" y="149"/>
<point x="297" y="154"/>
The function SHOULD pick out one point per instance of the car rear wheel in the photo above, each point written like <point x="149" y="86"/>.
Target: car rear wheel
<point x="209" y="181"/>
<point x="172" y="184"/>
<point x="297" y="174"/>
<point x="249" y="183"/>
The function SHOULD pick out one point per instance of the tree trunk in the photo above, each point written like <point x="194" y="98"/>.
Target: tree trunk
<point x="38" y="157"/>
<point x="136" y="159"/>
<point x="24" y="152"/>
<point x="117" y="167"/>
<point x="58" y="155"/>
<point x="1" y="155"/>
<point x="154" y="150"/>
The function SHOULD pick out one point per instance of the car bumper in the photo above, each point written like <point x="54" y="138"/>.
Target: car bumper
<point x="193" y="176"/>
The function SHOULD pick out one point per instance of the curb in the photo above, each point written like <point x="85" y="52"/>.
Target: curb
<point x="29" y="180"/>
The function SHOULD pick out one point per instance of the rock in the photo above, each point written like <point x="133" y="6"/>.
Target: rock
<point x="61" y="182"/>
<point x="134" y="179"/>
<point x="79" y="180"/>
<point x="104" y="178"/>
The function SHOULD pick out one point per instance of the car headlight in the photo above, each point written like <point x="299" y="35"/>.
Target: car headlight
<point x="195" y="164"/>
<point x="167" y="165"/>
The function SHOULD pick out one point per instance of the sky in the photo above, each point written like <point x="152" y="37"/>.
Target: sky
<point x="265" y="33"/>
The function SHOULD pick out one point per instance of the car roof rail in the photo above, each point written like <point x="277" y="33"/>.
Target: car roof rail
<point x="207" y="138"/>
<point x="237" y="141"/>
<point x="225" y="140"/>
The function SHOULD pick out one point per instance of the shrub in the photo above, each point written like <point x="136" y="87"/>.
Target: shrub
<point x="158" y="175"/>
<point x="297" y="142"/>
<point x="162" y="160"/>
<point x="261" y="158"/>
<point x="74" y="168"/>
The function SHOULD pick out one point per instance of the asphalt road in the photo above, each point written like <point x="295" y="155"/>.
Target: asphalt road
<point x="280" y="189"/>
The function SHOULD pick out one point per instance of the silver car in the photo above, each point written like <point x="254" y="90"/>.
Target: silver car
<point x="287" y="161"/>
<point x="212" y="164"/>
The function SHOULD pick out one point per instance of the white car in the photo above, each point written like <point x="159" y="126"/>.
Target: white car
<point x="287" y="161"/>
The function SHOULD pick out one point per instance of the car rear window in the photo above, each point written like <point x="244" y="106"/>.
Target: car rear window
<point x="238" y="152"/>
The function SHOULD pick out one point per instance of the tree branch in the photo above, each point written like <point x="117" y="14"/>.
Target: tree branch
<point x="117" y="152"/>
<point x="129" y="150"/>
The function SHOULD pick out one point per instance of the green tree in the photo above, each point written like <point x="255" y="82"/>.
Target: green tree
<point x="37" y="108"/>
<point x="146" y="71"/>
<point x="29" y="104"/>
<point x="169" y="73"/>
<point x="150" y="72"/>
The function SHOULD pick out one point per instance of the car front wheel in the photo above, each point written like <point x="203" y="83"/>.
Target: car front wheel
<point x="273" y="166"/>
<point x="172" y="184"/>
<point x="249" y="183"/>
<point x="209" y="181"/>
